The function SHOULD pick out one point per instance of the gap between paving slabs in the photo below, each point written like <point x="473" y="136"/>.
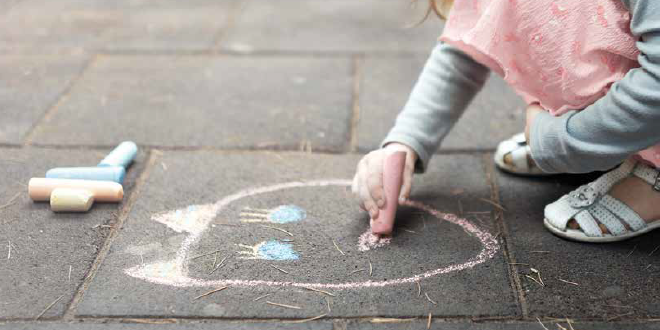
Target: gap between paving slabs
<point x="50" y="253"/>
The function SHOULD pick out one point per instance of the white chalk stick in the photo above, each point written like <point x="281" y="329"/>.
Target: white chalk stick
<point x="71" y="200"/>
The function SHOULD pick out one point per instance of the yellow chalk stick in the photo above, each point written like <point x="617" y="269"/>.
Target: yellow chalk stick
<point x="71" y="200"/>
<point x="40" y="189"/>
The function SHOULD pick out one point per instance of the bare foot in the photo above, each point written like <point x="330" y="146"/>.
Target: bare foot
<point x="636" y="194"/>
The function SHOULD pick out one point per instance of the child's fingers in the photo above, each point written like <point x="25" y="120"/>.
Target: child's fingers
<point x="408" y="170"/>
<point x="354" y="185"/>
<point x="355" y="189"/>
<point x="375" y="181"/>
<point x="369" y="204"/>
<point x="364" y="194"/>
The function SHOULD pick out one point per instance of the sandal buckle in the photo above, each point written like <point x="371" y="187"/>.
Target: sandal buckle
<point x="584" y="196"/>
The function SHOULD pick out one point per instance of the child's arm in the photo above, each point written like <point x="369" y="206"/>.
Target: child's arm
<point x="624" y="121"/>
<point x="448" y="83"/>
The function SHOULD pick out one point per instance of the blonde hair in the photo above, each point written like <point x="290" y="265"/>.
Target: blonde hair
<point x="439" y="7"/>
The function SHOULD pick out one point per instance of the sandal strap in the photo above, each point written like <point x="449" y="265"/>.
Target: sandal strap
<point x="649" y="174"/>
<point x="606" y="181"/>
<point x="519" y="138"/>
<point x="591" y="202"/>
<point x="588" y="224"/>
<point x="519" y="157"/>
<point x="624" y="212"/>
<point x="560" y="212"/>
<point x="612" y="222"/>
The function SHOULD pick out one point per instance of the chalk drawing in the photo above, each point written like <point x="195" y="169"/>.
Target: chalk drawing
<point x="269" y="250"/>
<point x="281" y="214"/>
<point x="195" y="219"/>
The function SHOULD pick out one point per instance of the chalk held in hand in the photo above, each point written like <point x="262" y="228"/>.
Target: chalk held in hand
<point x="122" y="155"/>
<point x="71" y="200"/>
<point x="393" y="167"/>
<point x="108" y="173"/>
<point x="40" y="189"/>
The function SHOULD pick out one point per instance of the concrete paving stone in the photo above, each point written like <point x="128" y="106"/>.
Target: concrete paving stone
<point x="419" y="324"/>
<point x="185" y="101"/>
<point x="31" y="85"/>
<point x="319" y="325"/>
<point x="164" y="257"/>
<point x="46" y="245"/>
<point x="57" y="26"/>
<point x="612" y="280"/>
<point x="7" y="5"/>
<point x="334" y="26"/>
<point x="495" y="114"/>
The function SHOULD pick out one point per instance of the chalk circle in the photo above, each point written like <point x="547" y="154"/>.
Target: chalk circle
<point x="175" y="272"/>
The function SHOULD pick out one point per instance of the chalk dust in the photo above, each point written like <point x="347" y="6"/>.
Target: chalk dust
<point x="369" y="241"/>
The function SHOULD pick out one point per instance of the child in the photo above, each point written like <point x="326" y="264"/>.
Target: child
<point x="590" y="72"/>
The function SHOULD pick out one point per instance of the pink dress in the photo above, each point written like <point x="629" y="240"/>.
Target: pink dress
<point x="562" y="54"/>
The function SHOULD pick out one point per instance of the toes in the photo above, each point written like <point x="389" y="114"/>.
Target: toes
<point x="508" y="159"/>
<point x="572" y="224"/>
<point x="530" y="162"/>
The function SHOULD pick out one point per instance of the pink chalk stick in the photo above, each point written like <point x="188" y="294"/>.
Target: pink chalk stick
<point x="392" y="181"/>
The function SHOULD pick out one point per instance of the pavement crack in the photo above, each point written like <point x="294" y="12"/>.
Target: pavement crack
<point x="69" y="314"/>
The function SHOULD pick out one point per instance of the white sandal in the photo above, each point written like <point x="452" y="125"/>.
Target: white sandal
<point x="520" y="155"/>
<point x="591" y="204"/>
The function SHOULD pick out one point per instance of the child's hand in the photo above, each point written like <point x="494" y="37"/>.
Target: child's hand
<point x="532" y="110"/>
<point x="368" y="181"/>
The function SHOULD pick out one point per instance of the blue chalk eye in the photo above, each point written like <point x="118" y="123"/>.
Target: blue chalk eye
<point x="287" y="213"/>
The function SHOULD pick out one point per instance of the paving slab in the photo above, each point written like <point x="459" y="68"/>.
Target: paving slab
<point x="612" y="281"/>
<point x="333" y="26"/>
<point x="269" y="246"/>
<point x="497" y="112"/>
<point x="419" y="324"/>
<point x="133" y="25"/>
<point x="339" y="324"/>
<point x="162" y="324"/>
<point x="50" y="253"/>
<point x="7" y="5"/>
<point x="220" y="101"/>
<point x="31" y="85"/>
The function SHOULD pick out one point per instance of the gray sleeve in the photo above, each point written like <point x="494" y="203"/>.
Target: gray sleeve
<point x="446" y="86"/>
<point x="624" y="121"/>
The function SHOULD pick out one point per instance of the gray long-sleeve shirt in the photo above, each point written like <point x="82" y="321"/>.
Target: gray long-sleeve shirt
<point x="624" y="121"/>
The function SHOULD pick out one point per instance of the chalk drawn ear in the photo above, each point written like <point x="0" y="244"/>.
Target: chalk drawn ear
<point x="163" y="272"/>
<point x="192" y="219"/>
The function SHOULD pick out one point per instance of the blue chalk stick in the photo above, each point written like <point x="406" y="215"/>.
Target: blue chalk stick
<point x="114" y="173"/>
<point x="122" y="155"/>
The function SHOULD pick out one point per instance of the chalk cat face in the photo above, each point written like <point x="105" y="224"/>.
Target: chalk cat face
<point x="310" y="234"/>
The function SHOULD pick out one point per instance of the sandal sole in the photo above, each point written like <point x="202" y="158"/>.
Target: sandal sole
<point x="579" y="236"/>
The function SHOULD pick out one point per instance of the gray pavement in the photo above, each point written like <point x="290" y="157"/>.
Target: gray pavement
<point x="251" y="116"/>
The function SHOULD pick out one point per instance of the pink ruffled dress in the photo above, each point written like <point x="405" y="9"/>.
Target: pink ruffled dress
<point x="562" y="54"/>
